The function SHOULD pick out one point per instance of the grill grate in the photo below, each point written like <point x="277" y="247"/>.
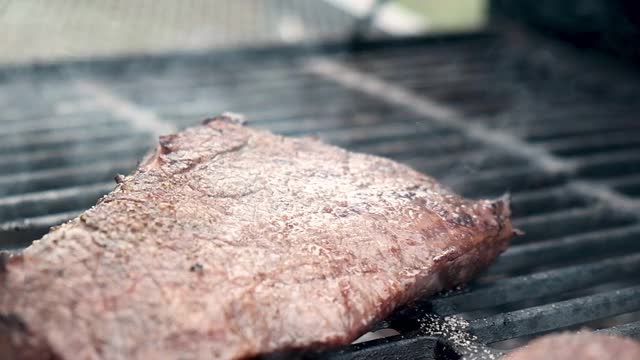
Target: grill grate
<point x="474" y="111"/>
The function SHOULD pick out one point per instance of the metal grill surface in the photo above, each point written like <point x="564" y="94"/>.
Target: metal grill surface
<point x="553" y="126"/>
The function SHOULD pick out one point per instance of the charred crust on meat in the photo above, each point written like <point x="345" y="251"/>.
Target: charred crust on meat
<point x="502" y="206"/>
<point x="197" y="268"/>
<point x="12" y="321"/>
<point x="462" y="219"/>
<point x="165" y="143"/>
<point x="501" y="209"/>
<point x="119" y="179"/>
<point x="4" y="261"/>
<point x="18" y="342"/>
<point x="228" y="117"/>
<point x="208" y="121"/>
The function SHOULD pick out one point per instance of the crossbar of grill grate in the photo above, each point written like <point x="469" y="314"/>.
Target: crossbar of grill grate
<point x="578" y="206"/>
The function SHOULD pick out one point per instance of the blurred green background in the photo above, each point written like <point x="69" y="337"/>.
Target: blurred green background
<point x="449" y="14"/>
<point x="42" y="31"/>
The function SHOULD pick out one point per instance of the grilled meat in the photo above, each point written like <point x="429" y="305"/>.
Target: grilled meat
<point x="230" y="242"/>
<point x="583" y="346"/>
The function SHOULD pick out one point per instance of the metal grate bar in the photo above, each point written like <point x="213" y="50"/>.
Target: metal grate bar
<point x="474" y="159"/>
<point x="435" y="142"/>
<point x="268" y="76"/>
<point x="449" y="169"/>
<point x="455" y="88"/>
<point x="369" y="135"/>
<point x="570" y="129"/>
<point x="55" y="115"/>
<point x="346" y="107"/>
<point x="627" y="180"/>
<point x="452" y="86"/>
<point x="40" y="155"/>
<point x="556" y="315"/>
<point x="630" y="330"/>
<point x="497" y="182"/>
<point x="346" y="102"/>
<point x="395" y="347"/>
<point x="37" y="222"/>
<point x="52" y="201"/>
<point x="597" y="159"/>
<point x="567" y="222"/>
<point x="547" y="110"/>
<point x="443" y="80"/>
<point x="334" y="128"/>
<point x="19" y="234"/>
<point x="55" y="123"/>
<point x="609" y="165"/>
<point x="399" y="96"/>
<point x="41" y="160"/>
<point x="630" y="189"/>
<point x="569" y="248"/>
<point x="239" y="98"/>
<point x="455" y="71"/>
<point x="538" y="285"/>
<point x="140" y="118"/>
<point x="435" y="57"/>
<point x="340" y="107"/>
<point x="365" y="118"/>
<point x="538" y="202"/>
<point x="430" y="61"/>
<point x="57" y="140"/>
<point x="588" y="144"/>
<point x="62" y="177"/>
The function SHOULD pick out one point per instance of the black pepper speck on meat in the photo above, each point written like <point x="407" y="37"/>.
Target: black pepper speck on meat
<point x="230" y="242"/>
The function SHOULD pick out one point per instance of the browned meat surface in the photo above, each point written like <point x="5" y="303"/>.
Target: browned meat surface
<point x="582" y="346"/>
<point x="230" y="242"/>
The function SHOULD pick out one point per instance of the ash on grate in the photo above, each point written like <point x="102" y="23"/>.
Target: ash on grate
<point x="455" y="331"/>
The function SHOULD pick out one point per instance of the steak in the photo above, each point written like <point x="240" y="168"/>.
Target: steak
<point x="583" y="346"/>
<point x="230" y="242"/>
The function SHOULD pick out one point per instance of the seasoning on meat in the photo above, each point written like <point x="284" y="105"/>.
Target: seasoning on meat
<point x="583" y="346"/>
<point x="230" y="242"/>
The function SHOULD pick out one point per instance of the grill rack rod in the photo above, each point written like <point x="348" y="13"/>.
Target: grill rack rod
<point x="60" y="200"/>
<point x="555" y="315"/>
<point x="386" y="91"/>
<point x="53" y="178"/>
<point x="630" y="329"/>
<point x="557" y="250"/>
<point x="546" y="283"/>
